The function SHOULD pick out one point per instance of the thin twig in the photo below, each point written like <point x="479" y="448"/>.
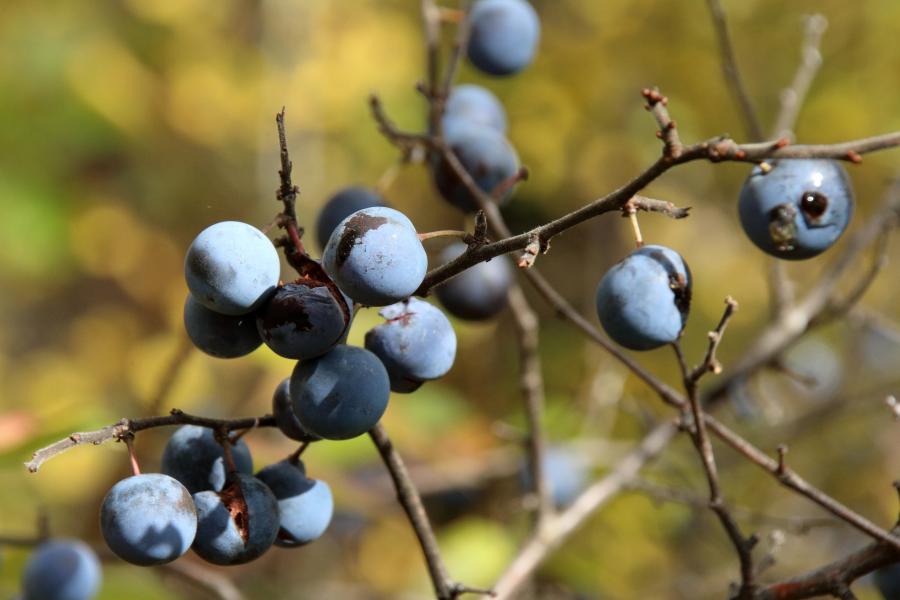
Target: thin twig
<point x="791" y="480"/>
<point x="743" y="545"/>
<point x="732" y="73"/>
<point x="668" y="130"/>
<point x="834" y="578"/>
<point x="710" y="363"/>
<point x="118" y="431"/>
<point x="408" y="496"/>
<point x="287" y="194"/>
<point x="562" y="525"/>
<point x="663" y="207"/>
<point x="793" y="96"/>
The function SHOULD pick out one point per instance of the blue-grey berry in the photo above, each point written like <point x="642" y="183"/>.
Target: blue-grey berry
<point x="305" y="505"/>
<point x="375" y="257"/>
<point x="798" y="209"/>
<point x="340" y="395"/>
<point x="194" y="457"/>
<point x="644" y="300"/>
<point x="148" y="519"/>
<point x="503" y="35"/>
<point x="416" y="343"/>
<point x="238" y="524"/>
<point x="231" y="268"/>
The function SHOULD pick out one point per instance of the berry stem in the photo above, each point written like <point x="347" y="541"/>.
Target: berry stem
<point x="635" y="226"/>
<point x="129" y="442"/>
<point x="442" y="233"/>
<point x="233" y="439"/>
<point x="294" y="457"/>
<point x="229" y="457"/>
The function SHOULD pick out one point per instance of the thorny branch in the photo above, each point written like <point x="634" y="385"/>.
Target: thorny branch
<point x="797" y="317"/>
<point x="714" y="150"/>
<point x="743" y="545"/>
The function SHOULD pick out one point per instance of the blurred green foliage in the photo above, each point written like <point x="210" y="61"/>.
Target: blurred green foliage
<point x="127" y="126"/>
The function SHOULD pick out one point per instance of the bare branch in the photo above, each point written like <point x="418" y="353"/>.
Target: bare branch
<point x="791" y="480"/>
<point x="710" y="364"/>
<point x="408" y="496"/>
<point x="742" y="545"/>
<point x="565" y="523"/>
<point x="668" y="131"/>
<point x="663" y="207"/>
<point x="793" y="96"/>
<point x="125" y="427"/>
<point x="731" y="72"/>
<point x="832" y="579"/>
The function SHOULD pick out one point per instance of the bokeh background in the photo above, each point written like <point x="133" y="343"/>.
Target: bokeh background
<point x="127" y="126"/>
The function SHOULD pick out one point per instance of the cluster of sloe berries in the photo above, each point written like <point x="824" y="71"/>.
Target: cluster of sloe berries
<point x="208" y="499"/>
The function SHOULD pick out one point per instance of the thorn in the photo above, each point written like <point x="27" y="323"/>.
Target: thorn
<point x="854" y="157"/>
<point x="782" y="453"/>
<point x="781" y="143"/>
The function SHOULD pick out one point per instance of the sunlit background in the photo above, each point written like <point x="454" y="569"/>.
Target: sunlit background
<point x="128" y="126"/>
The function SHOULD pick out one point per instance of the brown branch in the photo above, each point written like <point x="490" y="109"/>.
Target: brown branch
<point x="456" y="54"/>
<point x="833" y="579"/>
<point x="731" y="72"/>
<point x="408" y="496"/>
<point x="743" y="545"/>
<point x="668" y="130"/>
<point x="287" y="194"/>
<point x="664" y="207"/>
<point x="125" y="427"/>
<point x="715" y="150"/>
<point x="431" y="25"/>
<point x="532" y="384"/>
<point x="710" y="363"/>
<point x="791" y="480"/>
